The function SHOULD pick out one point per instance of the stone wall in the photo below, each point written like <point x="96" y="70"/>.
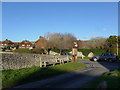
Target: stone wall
<point x="17" y="61"/>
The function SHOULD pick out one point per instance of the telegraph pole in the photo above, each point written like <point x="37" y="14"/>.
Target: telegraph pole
<point x="117" y="45"/>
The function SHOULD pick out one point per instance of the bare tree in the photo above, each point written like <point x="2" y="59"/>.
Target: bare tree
<point x="98" y="42"/>
<point x="60" y="41"/>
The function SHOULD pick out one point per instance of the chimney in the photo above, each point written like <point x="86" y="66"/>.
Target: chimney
<point x="40" y="37"/>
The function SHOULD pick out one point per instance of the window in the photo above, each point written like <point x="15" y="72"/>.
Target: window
<point x="23" y="45"/>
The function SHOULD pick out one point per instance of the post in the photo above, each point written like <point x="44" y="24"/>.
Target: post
<point x="117" y="45"/>
<point x="40" y="62"/>
<point x="74" y="51"/>
<point x="82" y="56"/>
<point x="73" y="58"/>
<point x="67" y="58"/>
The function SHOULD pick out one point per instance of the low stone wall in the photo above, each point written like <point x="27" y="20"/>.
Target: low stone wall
<point x="18" y="61"/>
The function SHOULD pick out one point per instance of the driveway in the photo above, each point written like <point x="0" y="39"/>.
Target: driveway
<point x="75" y="79"/>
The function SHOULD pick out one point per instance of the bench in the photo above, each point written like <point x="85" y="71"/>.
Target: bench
<point x="53" y="60"/>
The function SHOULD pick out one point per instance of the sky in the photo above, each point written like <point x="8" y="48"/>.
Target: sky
<point x="85" y="20"/>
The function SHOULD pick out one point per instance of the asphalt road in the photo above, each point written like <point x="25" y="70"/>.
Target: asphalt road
<point x="75" y="79"/>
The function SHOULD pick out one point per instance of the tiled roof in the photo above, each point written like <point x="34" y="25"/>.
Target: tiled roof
<point x="26" y="42"/>
<point x="7" y="42"/>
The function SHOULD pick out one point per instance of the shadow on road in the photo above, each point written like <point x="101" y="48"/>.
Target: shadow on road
<point x="108" y="65"/>
<point x="53" y="78"/>
<point x="76" y="79"/>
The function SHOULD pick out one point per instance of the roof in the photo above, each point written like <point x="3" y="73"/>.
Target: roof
<point x="7" y="42"/>
<point x="25" y="42"/>
<point x="79" y="41"/>
<point x="40" y="39"/>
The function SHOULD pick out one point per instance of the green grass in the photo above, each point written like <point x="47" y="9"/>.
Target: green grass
<point x="84" y="58"/>
<point x="94" y="51"/>
<point x="22" y="51"/>
<point x="112" y="81"/>
<point x="12" y="78"/>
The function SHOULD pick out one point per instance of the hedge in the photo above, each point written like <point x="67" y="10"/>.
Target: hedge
<point x="94" y="51"/>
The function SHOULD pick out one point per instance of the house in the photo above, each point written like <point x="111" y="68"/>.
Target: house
<point x="25" y="44"/>
<point x="79" y="41"/>
<point x="82" y="44"/>
<point x="41" y="42"/>
<point x="6" y="43"/>
<point x="0" y="43"/>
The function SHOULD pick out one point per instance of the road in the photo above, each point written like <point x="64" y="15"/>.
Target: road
<point x="75" y="79"/>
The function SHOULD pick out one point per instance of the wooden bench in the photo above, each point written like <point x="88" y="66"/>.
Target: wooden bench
<point x="53" y="60"/>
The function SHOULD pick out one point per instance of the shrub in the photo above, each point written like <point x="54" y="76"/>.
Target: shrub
<point x="63" y="51"/>
<point x="114" y="50"/>
<point x="38" y="51"/>
<point x="55" y="50"/>
<point x="66" y="50"/>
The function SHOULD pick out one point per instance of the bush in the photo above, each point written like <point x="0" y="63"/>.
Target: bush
<point x="63" y="51"/>
<point x="66" y="50"/>
<point x="114" y="50"/>
<point x="22" y="51"/>
<point x="38" y="51"/>
<point x="55" y="50"/>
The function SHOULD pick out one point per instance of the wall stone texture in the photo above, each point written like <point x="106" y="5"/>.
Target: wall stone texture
<point x="18" y="61"/>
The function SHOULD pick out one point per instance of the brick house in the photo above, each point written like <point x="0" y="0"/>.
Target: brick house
<point x="6" y="43"/>
<point x="41" y="43"/>
<point x="82" y="44"/>
<point x="25" y="44"/>
<point x="1" y="44"/>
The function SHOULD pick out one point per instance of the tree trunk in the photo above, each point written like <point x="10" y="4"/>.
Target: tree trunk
<point x="60" y="51"/>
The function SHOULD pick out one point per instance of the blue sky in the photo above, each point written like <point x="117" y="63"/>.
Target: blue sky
<point x="85" y="20"/>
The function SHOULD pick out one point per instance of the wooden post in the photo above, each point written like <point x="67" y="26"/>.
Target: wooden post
<point x="67" y="58"/>
<point x="74" y="54"/>
<point x="74" y="51"/>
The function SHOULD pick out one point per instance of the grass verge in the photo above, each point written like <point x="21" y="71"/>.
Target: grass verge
<point x="112" y="81"/>
<point x="12" y="78"/>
